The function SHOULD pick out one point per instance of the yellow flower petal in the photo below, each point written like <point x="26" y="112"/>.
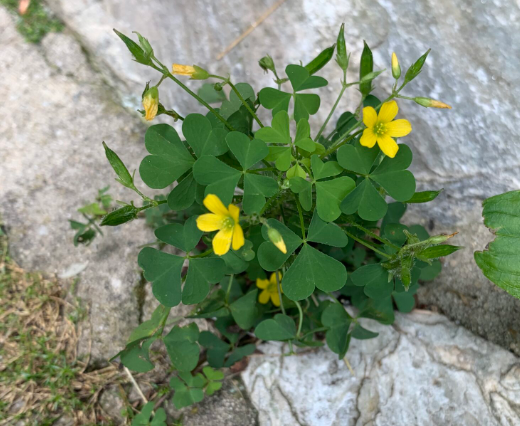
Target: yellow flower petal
<point x="369" y="116"/>
<point x="214" y="205"/>
<point x="272" y="278"/>
<point x="275" y="299"/>
<point x="182" y="69"/>
<point x="388" y="146"/>
<point x="264" y="297"/>
<point x="210" y="222"/>
<point x="262" y="284"/>
<point x="234" y="211"/>
<point x="388" y="112"/>
<point x="222" y="241"/>
<point x="238" y="237"/>
<point x="398" y="128"/>
<point x="368" y="139"/>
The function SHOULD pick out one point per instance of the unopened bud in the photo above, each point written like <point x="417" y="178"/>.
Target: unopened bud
<point x="195" y="72"/>
<point x="267" y="63"/>
<point x="437" y="239"/>
<point x="396" y="68"/>
<point x="151" y="103"/>
<point x="217" y="87"/>
<point x="431" y="103"/>
<point x="120" y="216"/>
<point x="276" y="238"/>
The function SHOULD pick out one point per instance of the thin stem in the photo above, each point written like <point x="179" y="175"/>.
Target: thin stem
<point x="331" y="111"/>
<point x="300" y="213"/>
<point x="279" y="288"/>
<point x="204" y="254"/>
<point x="349" y="366"/>
<point x="239" y="96"/>
<point x="186" y="89"/>
<point x="366" y="244"/>
<point x="229" y="287"/>
<point x="374" y="235"/>
<point x="314" y="330"/>
<point x="301" y="318"/>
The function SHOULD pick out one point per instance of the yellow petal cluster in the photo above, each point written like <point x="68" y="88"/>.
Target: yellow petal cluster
<point x="183" y="69"/>
<point x="222" y="219"/>
<point x="269" y="289"/>
<point x="382" y="128"/>
<point x="151" y="103"/>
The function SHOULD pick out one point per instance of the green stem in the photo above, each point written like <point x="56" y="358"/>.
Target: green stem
<point x="331" y="111"/>
<point x="301" y="318"/>
<point x="366" y="244"/>
<point x="314" y="330"/>
<point x="239" y="96"/>
<point x="203" y="254"/>
<point x="197" y="97"/>
<point x="229" y="287"/>
<point x="374" y="235"/>
<point x="300" y="213"/>
<point x="279" y="288"/>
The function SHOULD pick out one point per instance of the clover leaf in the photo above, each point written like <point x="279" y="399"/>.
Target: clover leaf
<point x="164" y="269"/>
<point x="182" y="348"/>
<point x="304" y="104"/>
<point x="390" y="174"/>
<point x="338" y="321"/>
<point x="280" y="328"/>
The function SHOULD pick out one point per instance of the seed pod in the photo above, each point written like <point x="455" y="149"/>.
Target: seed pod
<point x="267" y="63"/>
<point x="321" y="60"/>
<point x="415" y="69"/>
<point x="120" y="216"/>
<point x="124" y="176"/>
<point x="341" y="49"/>
<point x="366" y="66"/>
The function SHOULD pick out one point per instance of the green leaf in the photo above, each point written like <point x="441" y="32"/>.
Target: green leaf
<point x="357" y="158"/>
<point x="164" y="271"/>
<point x="136" y="356"/>
<point x="282" y="156"/>
<point x="244" y="310"/>
<point x="216" y="349"/>
<point x="301" y="78"/>
<point x="124" y="176"/>
<point x="208" y="93"/>
<point x="304" y="189"/>
<point x="183" y="195"/>
<point x="138" y="53"/>
<point x="405" y="300"/>
<point x="201" y="273"/>
<point x="169" y="159"/>
<point x="435" y="252"/>
<point x="365" y="199"/>
<point x="338" y="321"/>
<point x="329" y="195"/>
<point x="234" y="263"/>
<point x="321" y="60"/>
<point x="323" y="170"/>
<point x="296" y="171"/>
<point x="390" y="174"/>
<point x="182" y="348"/>
<point x="361" y="333"/>
<point x="256" y="188"/>
<point x="305" y="105"/>
<point x="248" y="152"/>
<point x="424" y="196"/>
<point x="274" y="99"/>
<point x="326" y="233"/>
<point x="366" y="66"/>
<point x="184" y="395"/>
<point x="269" y="257"/>
<point x="415" y="69"/>
<point x="429" y="272"/>
<point x="280" y="328"/>
<point x="220" y="178"/>
<point x="381" y="310"/>
<point x="234" y="106"/>
<point x="278" y="132"/>
<point x="311" y="269"/>
<point x="239" y="353"/>
<point x="143" y="418"/>
<point x="302" y="139"/>
<point x="184" y="237"/>
<point x="374" y="278"/>
<point x="150" y="327"/>
<point x="202" y="137"/>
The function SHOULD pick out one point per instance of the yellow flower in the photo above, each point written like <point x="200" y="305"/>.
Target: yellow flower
<point x="183" y="69"/>
<point x="269" y="289"/>
<point x="381" y="128"/>
<point x="151" y="103"/>
<point x="226" y="221"/>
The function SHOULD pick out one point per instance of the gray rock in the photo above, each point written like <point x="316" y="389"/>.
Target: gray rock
<point x="55" y="113"/>
<point x="424" y="370"/>
<point x="471" y="151"/>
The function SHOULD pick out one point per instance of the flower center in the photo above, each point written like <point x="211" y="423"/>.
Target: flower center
<point x="379" y="129"/>
<point x="228" y="223"/>
<point x="272" y="288"/>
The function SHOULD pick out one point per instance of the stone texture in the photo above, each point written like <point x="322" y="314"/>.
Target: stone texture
<point x="424" y="370"/>
<point x="471" y="151"/>
<point x="55" y="113"/>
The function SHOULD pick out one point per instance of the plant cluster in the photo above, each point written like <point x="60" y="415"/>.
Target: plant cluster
<point x="278" y="232"/>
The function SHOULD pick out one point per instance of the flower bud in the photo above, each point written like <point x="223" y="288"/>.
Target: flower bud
<point x="267" y="63"/>
<point x="396" y="68"/>
<point x="151" y="103"/>
<point x="217" y="87"/>
<point x="195" y="72"/>
<point x="120" y="216"/>
<point x="276" y="238"/>
<point x="431" y="103"/>
<point x="437" y="239"/>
